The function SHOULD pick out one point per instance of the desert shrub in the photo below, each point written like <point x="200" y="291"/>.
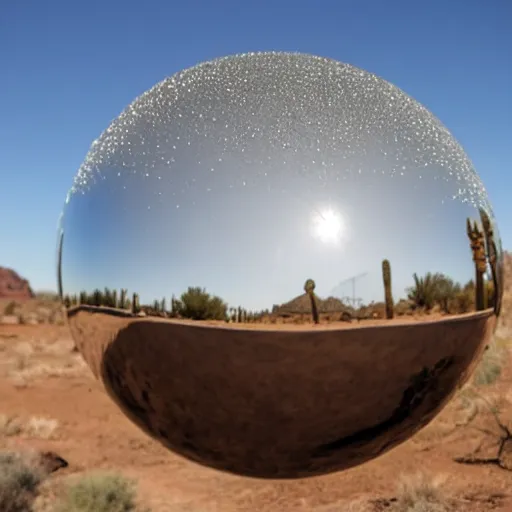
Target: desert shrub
<point x="403" y="307"/>
<point x="10" y="308"/>
<point x="490" y="366"/>
<point x="100" y="492"/>
<point x="420" y="493"/>
<point x="9" y="426"/>
<point x="47" y="296"/>
<point x="439" y="290"/>
<point x="464" y="300"/>
<point x="19" y="480"/>
<point x="197" y="304"/>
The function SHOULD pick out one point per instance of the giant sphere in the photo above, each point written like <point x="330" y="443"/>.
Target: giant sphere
<point x="279" y="265"/>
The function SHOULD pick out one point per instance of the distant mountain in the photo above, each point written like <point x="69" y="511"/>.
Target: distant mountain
<point x="302" y="305"/>
<point x="13" y="286"/>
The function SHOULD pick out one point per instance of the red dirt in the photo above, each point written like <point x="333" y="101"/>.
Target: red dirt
<point x="93" y="434"/>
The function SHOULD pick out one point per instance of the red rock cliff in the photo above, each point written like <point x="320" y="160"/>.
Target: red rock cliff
<point x="13" y="286"/>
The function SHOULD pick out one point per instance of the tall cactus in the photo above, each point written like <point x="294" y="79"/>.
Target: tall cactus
<point x="388" y="296"/>
<point x="122" y="298"/>
<point x="135" y="304"/>
<point x="477" y="244"/>
<point x="59" y="265"/>
<point x="309" y="288"/>
<point x="492" y="256"/>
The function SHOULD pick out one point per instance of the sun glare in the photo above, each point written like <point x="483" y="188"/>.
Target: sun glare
<point x="328" y="226"/>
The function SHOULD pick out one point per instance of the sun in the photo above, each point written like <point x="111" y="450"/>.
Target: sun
<point x="328" y="226"/>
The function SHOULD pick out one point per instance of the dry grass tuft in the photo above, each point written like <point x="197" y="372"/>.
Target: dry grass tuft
<point x="10" y="426"/>
<point x="421" y="493"/>
<point x="36" y="360"/>
<point x="19" y="480"/>
<point x="35" y="427"/>
<point x="40" y="428"/>
<point x="100" y="492"/>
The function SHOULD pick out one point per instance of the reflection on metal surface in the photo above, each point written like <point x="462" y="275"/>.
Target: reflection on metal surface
<point x="279" y="265"/>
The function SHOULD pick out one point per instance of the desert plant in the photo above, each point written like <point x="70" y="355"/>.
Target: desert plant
<point x="174" y="306"/>
<point x="309" y="288"/>
<point x="10" y="426"/>
<point x="492" y="256"/>
<point x="422" y="294"/>
<point x="197" y="304"/>
<point x="10" y="308"/>
<point x="420" y="493"/>
<point x="19" y="480"/>
<point x="122" y="298"/>
<point x="445" y="291"/>
<point x="97" y="298"/>
<point x="386" y="276"/>
<point x="135" y="304"/>
<point x="101" y="492"/>
<point x="464" y="300"/>
<point x="59" y="264"/>
<point x="477" y="244"/>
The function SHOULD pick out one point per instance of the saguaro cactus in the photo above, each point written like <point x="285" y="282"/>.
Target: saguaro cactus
<point x="122" y="298"/>
<point x="59" y="265"/>
<point x="477" y="244"/>
<point x="386" y="276"/>
<point x="309" y="288"/>
<point x="135" y="304"/>
<point x="492" y="256"/>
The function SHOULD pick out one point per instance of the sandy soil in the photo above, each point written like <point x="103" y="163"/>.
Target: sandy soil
<point x="40" y="377"/>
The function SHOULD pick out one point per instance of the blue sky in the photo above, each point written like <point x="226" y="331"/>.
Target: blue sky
<point x="69" y="68"/>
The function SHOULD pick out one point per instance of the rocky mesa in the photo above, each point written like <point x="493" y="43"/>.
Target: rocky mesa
<point x="13" y="286"/>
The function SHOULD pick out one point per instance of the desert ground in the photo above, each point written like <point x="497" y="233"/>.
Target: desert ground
<point x="51" y="402"/>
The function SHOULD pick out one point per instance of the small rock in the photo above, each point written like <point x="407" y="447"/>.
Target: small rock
<point x="51" y="462"/>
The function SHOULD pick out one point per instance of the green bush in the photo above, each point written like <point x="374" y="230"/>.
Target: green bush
<point x="18" y="483"/>
<point x="100" y="492"/>
<point x="197" y="304"/>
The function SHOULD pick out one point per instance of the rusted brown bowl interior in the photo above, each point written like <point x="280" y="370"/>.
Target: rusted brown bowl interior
<point x="279" y="403"/>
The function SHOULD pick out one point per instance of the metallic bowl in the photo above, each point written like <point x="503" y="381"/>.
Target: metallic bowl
<point x="279" y="265"/>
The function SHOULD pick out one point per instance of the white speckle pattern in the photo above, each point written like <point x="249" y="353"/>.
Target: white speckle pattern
<point x="281" y="103"/>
